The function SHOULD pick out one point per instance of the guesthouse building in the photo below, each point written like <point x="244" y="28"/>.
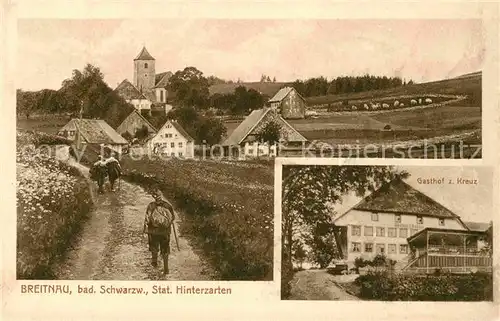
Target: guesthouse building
<point x="172" y="140"/>
<point x="398" y="222"/>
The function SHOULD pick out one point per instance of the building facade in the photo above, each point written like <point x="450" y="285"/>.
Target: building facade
<point x="172" y="140"/>
<point x="383" y="222"/>
<point x="134" y="122"/>
<point x="289" y="103"/>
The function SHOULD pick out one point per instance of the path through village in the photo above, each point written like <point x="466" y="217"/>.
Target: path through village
<point x="111" y="245"/>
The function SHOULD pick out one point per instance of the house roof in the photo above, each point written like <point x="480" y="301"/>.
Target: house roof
<point x="96" y="131"/>
<point x="249" y="123"/>
<point x="442" y="230"/>
<point x="128" y="91"/>
<point x="399" y="197"/>
<point x="144" y="55"/>
<point x="281" y="94"/>
<point x="477" y="226"/>
<point x="135" y="111"/>
<point x="246" y="126"/>
<point x="161" y="79"/>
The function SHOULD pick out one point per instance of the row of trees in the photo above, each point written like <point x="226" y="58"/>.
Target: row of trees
<point x="321" y="86"/>
<point x="241" y="102"/>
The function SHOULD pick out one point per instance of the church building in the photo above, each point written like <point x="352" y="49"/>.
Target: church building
<point x="149" y="89"/>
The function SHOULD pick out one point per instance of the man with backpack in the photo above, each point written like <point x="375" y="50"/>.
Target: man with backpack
<point x="159" y="218"/>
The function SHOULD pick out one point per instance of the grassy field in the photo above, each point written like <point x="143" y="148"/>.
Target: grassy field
<point x="229" y="208"/>
<point x="44" y="123"/>
<point x="469" y="85"/>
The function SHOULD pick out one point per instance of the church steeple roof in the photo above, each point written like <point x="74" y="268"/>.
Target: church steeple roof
<point x="144" y="55"/>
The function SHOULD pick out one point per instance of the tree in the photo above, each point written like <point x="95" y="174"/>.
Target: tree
<point x="270" y="133"/>
<point x="190" y="88"/>
<point x="299" y="253"/>
<point x="309" y="197"/>
<point x="200" y="127"/>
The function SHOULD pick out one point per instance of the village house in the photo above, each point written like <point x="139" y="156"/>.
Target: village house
<point x="134" y="122"/>
<point x="244" y="142"/>
<point x="172" y="140"/>
<point x="94" y="132"/>
<point x="289" y="103"/>
<point x="405" y="225"/>
<point x="149" y="89"/>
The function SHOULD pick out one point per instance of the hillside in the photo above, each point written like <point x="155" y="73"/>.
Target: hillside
<point x="265" y="88"/>
<point x="469" y="84"/>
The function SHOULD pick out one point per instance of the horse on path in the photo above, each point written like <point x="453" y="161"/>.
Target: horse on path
<point x="100" y="171"/>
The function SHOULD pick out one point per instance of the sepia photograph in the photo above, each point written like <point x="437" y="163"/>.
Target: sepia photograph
<point x="387" y="233"/>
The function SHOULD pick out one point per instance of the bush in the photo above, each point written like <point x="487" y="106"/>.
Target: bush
<point x="53" y="200"/>
<point x="228" y="208"/>
<point x="445" y="287"/>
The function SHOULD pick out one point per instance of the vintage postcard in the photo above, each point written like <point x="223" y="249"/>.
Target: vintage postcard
<point x="249" y="155"/>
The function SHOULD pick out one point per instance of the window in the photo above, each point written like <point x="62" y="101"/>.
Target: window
<point x="368" y="230"/>
<point x="180" y="154"/>
<point x="161" y="95"/>
<point x="380" y="248"/>
<point x="356" y="247"/>
<point x="391" y="248"/>
<point x="413" y="231"/>
<point x="403" y="232"/>
<point x="180" y="144"/>
<point x="146" y="65"/>
<point x="250" y="151"/>
<point x="356" y="230"/>
<point x="72" y="133"/>
<point x="420" y="220"/>
<point x="369" y="247"/>
<point x="398" y="218"/>
<point x="403" y="248"/>
<point x="172" y="145"/>
<point x="391" y="232"/>
<point x="146" y="75"/>
<point x="374" y="216"/>
<point x="380" y="231"/>
<point x="441" y="222"/>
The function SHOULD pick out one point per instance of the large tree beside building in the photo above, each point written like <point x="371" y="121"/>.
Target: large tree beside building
<point x="309" y="196"/>
<point x="190" y="88"/>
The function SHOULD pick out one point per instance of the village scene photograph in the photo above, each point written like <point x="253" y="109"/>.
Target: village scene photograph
<point x="387" y="233"/>
<point x="146" y="148"/>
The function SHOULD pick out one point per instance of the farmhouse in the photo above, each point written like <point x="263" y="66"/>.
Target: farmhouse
<point x="149" y="90"/>
<point x="407" y="226"/>
<point x="134" y="122"/>
<point x="244" y="141"/>
<point x="289" y="102"/>
<point x="172" y="140"/>
<point x="93" y="132"/>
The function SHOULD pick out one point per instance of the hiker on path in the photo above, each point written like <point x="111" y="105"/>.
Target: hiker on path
<point x="160" y="216"/>
<point x="98" y="173"/>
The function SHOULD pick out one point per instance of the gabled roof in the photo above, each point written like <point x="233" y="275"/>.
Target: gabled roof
<point x="144" y="55"/>
<point x="282" y="93"/>
<point x="477" y="226"/>
<point x="96" y="131"/>
<point x="128" y="91"/>
<point x="135" y="112"/>
<point x="179" y="128"/>
<point x="249" y="123"/>
<point x="161" y="80"/>
<point x="399" y="197"/>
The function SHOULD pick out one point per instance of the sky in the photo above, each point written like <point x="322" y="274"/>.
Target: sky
<point x="422" y="50"/>
<point x="471" y="202"/>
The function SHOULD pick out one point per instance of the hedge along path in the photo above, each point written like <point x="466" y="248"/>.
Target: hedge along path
<point x="112" y="246"/>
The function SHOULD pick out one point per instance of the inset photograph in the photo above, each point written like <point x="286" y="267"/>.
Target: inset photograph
<point x="387" y="233"/>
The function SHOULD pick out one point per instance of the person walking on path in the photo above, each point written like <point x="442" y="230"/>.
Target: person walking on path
<point x="98" y="173"/>
<point x="160" y="216"/>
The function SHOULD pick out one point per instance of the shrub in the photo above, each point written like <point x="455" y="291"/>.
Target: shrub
<point x="444" y="287"/>
<point x="53" y="200"/>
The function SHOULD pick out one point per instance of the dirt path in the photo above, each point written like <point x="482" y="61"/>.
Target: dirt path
<point x="111" y="245"/>
<point x="317" y="285"/>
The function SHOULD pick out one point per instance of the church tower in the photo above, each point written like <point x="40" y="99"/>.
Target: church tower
<point x="144" y="71"/>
